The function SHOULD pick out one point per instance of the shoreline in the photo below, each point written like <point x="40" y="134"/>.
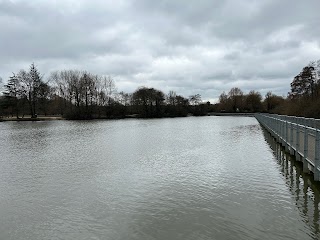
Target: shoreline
<point x="231" y="114"/>
<point x="28" y="119"/>
<point x="135" y="116"/>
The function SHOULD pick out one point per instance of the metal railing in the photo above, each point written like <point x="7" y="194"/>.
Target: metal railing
<point x="300" y="136"/>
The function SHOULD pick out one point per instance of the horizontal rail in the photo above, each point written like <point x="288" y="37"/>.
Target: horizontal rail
<point x="300" y="136"/>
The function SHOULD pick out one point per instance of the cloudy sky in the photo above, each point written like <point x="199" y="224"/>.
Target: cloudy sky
<point x="189" y="46"/>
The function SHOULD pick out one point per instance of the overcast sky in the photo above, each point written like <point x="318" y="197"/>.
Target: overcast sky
<point x="195" y="46"/>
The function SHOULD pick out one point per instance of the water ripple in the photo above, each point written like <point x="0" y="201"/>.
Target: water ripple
<point x="184" y="178"/>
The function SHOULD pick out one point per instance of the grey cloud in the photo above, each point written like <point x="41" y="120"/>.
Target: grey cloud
<point x="195" y="46"/>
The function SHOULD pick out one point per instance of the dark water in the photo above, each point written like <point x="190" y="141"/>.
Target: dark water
<point x="184" y="178"/>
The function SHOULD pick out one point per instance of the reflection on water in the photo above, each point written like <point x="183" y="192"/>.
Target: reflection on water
<point x="303" y="188"/>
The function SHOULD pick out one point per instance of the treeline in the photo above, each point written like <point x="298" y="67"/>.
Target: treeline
<point x="302" y="100"/>
<point x="236" y="101"/>
<point x="81" y="95"/>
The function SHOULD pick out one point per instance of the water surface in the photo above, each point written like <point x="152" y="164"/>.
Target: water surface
<point x="183" y="178"/>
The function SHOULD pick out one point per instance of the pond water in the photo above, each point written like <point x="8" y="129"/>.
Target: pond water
<point x="181" y="178"/>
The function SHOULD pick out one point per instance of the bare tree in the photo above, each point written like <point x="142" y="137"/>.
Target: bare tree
<point x="223" y="100"/>
<point x="109" y="88"/>
<point x="195" y="99"/>
<point x="171" y="98"/>
<point x="236" y="97"/>
<point x="272" y="101"/>
<point x="31" y="82"/>
<point x="124" y="98"/>
<point x="253" y="101"/>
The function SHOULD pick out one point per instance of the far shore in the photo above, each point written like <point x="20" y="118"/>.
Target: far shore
<point x="230" y="114"/>
<point x="50" y="118"/>
<point x="28" y="118"/>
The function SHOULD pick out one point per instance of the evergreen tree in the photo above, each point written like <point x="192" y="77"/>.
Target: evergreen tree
<point x="303" y="85"/>
<point x="14" y="91"/>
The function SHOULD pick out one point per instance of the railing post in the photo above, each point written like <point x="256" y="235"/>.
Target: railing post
<point x="317" y="157"/>
<point x="291" y="138"/>
<point x="278" y="128"/>
<point x="297" y="140"/>
<point x="287" y="137"/>
<point x="285" y="131"/>
<point x="305" y="149"/>
<point x="281" y="130"/>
